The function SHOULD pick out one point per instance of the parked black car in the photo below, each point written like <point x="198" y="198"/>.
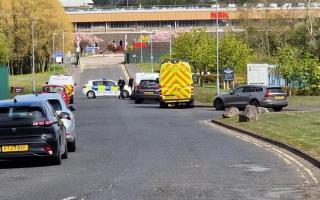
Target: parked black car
<point x="147" y="89"/>
<point x="31" y="129"/>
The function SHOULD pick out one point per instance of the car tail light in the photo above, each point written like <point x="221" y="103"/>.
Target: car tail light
<point x="267" y="94"/>
<point x="42" y="123"/>
<point x="47" y="148"/>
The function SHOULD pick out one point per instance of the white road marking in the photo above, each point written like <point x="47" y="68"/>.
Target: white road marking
<point x="69" y="198"/>
<point x="281" y="154"/>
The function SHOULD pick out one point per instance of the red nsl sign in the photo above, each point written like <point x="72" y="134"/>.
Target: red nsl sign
<point x="140" y="44"/>
<point x="220" y="15"/>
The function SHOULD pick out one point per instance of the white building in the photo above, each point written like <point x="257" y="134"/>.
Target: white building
<point x="76" y="3"/>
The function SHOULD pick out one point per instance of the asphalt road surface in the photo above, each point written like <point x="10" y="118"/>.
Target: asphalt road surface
<point x="140" y="152"/>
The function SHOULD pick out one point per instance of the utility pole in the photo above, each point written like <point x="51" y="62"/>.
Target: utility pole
<point x="151" y="57"/>
<point x="141" y="57"/>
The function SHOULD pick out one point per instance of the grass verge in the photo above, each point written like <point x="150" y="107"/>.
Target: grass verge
<point x="25" y="80"/>
<point x="298" y="129"/>
<point x="147" y="67"/>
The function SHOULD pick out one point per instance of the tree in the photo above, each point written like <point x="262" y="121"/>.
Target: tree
<point x="16" y="20"/>
<point x="234" y="53"/>
<point x="3" y="49"/>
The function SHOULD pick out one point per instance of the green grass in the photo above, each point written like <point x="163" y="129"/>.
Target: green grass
<point x="26" y="80"/>
<point x="205" y="94"/>
<point x="147" y="67"/>
<point x="313" y="101"/>
<point x="298" y="129"/>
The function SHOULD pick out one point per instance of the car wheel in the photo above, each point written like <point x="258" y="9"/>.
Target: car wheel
<point x="56" y="160"/>
<point x="91" y="95"/>
<point x="255" y="103"/>
<point x="71" y="100"/>
<point x="277" y="109"/>
<point x="65" y="154"/>
<point x="218" y="104"/>
<point x="125" y="94"/>
<point x="72" y="146"/>
<point x="191" y="104"/>
<point x="163" y="105"/>
<point x="138" y="101"/>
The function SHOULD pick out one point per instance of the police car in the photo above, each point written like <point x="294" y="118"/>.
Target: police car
<point x="103" y="87"/>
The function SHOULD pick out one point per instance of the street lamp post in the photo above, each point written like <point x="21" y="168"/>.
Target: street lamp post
<point x="33" y="64"/>
<point x="141" y="57"/>
<point x="63" y="56"/>
<point x="53" y="49"/>
<point x="151" y="57"/>
<point x="170" y="43"/>
<point x="217" y="48"/>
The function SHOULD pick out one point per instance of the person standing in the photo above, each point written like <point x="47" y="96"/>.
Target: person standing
<point x="130" y="84"/>
<point x="121" y="84"/>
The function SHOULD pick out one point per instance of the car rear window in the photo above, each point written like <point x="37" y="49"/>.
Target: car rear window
<point x="53" y="89"/>
<point x="275" y="90"/>
<point x="20" y="113"/>
<point x="149" y="83"/>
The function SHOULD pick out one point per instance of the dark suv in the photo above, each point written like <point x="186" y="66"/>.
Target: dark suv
<point x="147" y="89"/>
<point x="264" y="96"/>
<point x="31" y="129"/>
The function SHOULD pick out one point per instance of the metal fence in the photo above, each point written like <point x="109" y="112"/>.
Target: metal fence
<point x="159" y="50"/>
<point x="4" y="82"/>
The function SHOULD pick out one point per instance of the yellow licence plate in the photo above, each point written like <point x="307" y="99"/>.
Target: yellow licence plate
<point x="14" y="148"/>
<point x="279" y="97"/>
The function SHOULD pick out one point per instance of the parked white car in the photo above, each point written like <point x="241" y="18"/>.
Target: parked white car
<point x="103" y="87"/>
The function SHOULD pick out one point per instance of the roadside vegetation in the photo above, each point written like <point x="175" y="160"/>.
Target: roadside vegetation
<point x="25" y="80"/>
<point x="298" y="129"/>
<point x="17" y="19"/>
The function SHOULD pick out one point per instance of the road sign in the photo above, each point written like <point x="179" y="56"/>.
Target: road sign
<point x="228" y="74"/>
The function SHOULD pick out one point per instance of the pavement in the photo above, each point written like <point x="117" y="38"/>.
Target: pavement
<point x="140" y="152"/>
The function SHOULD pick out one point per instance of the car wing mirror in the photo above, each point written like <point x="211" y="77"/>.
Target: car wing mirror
<point x="64" y="115"/>
<point x="232" y="92"/>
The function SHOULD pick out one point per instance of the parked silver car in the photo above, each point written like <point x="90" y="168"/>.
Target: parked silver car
<point x="264" y="96"/>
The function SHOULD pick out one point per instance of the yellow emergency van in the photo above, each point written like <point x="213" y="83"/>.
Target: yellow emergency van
<point x="176" y="85"/>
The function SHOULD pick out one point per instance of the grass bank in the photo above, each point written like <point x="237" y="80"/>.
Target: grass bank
<point x="298" y="129"/>
<point x="26" y="80"/>
<point x="147" y="67"/>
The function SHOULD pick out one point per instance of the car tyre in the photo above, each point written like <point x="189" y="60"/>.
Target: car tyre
<point x="91" y="95"/>
<point x="56" y="160"/>
<point x="72" y="146"/>
<point x="138" y="101"/>
<point x="255" y="103"/>
<point x="65" y="154"/>
<point x="163" y="105"/>
<point x="125" y="94"/>
<point x="71" y="99"/>
<point x="191" y="104"/>
<point x="218" y="104"/>
<point x="277" y="109"/>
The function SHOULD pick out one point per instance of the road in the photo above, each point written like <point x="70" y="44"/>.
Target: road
<point x="140" y="152"/>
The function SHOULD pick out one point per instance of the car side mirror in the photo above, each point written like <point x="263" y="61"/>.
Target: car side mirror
<point x="72" y="108"/>
<point x="232" y="92"/>
<point x="64" y="115"/>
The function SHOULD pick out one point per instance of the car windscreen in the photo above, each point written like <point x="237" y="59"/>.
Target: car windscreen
<point x="24" y="113"/>
<point x="54" y="89"/>
<point x="275" y="90"/>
